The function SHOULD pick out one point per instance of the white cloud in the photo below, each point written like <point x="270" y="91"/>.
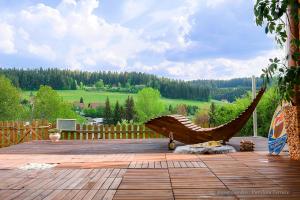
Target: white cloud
<point x="7" y="45"/>
<point x="134" y="8"/>
<point x="215" y="68"/>
<point x="73" y="34"/>
<point x="215" y="3"/>
<point x="42" y="21"/>
<point x="173" y="25"/>
<point x="43" y="51"/>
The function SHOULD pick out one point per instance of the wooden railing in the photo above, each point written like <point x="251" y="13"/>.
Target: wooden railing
<point x="17" y="132"/>
<point x="95" y="132"/>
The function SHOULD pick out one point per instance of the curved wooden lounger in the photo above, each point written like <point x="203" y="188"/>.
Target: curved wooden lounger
<point x="185" y="131"/>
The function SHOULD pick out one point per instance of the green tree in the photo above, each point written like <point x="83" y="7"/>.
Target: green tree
<point x="81" y="86"/>
<point x="181" y="109"/>
<point x="129" y="109"/>
<point x="100" y="111"/>
<point x="107" y="115"/>
<point x="90" y="112"/>
<point x="10" y="107"/>
<point x="149" y="104"/>
<point x="265" y="110"/>
<point x="49" y="105"/>
<point x="122" y="111"/>
<point x="211" y="114"/>
<point x="117" y="113"/>
<point x="202" y="118"/>
<point x="127" y="85"/>
<point x="99" y="84"/>
<point x="81" y="100"/>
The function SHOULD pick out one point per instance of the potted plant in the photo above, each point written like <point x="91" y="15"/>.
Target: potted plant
<point x="171" y="144"/>
<point x="54" y="135"/>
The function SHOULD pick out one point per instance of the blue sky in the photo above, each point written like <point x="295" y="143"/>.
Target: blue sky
<point x="182" y="39"/>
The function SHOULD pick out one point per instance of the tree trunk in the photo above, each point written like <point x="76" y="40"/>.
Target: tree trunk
<point x="293" y="33"/>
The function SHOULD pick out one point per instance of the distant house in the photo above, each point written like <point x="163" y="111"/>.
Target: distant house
<point x="97" y="121"/>
<point x="78" y="105"/>
<point x="225" y="100"/>
<point x="31" y="100"/>
<point x="94" y="121"/>
<point x="94" y="105"/>
<point x="89" y="120"/>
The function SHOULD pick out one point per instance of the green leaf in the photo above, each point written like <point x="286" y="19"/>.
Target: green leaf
<point x="266" y="29"/>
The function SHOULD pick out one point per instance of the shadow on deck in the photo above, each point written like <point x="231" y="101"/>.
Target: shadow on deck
<point x="90" y="147"/>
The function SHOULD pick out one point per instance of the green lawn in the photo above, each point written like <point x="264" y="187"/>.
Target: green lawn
<point x="100" y="96"/>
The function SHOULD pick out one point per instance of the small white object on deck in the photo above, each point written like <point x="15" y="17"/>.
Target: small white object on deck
<point x="35" y="166"/>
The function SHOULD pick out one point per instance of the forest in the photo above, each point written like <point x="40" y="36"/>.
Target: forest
<point x="132" y="82"/>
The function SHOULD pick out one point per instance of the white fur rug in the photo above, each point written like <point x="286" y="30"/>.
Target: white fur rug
<point x="204" y="150"/>
<point x="40" y="166"/>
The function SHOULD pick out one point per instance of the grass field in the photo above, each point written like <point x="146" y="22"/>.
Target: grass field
<point x="100" y="96"/>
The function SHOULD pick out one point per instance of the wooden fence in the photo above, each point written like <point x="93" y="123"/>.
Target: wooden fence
<point x="18" y="132"/>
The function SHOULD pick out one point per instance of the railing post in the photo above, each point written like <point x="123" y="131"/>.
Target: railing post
<point x="101" y="133"/>
<point x="1" y="133"/>
<point x="135" y="132"/>
<point x="124" y="132"/>
<point x="129" y="130"/>
<point x="255" y="112"/>
<point x="118" y="132"/>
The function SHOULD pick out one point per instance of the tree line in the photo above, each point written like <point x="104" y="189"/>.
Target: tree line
<point x="203" y="90"/>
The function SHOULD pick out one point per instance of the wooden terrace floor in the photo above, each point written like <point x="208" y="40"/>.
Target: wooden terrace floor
<point x="142" y="169"/>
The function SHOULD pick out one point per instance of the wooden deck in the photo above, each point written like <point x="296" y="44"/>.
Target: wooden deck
<point x="142" y="169"/>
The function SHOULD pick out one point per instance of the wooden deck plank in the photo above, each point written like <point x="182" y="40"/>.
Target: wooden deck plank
<point x="147" y="175"/>
<point x="107" y="183"/>
<point x="15" y="194"/>
<point x="99" y="194"/>
<point x="115" y="184"/>
<point x="109" y="195"/>
<point x="71" y="194"/>
<point x="42" y="194"/>
<point x="90" y="194"/>
<point x="143" y="194"/>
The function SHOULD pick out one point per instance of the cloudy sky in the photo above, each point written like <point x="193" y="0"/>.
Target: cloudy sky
<point x="182" y="39"/>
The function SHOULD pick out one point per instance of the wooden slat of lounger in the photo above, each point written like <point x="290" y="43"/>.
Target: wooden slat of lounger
<point x="185" y="122"/>
<point x="192" y="126"/>
<point x="182" y="119"/>
<point x="197" y="129"/>
<point x="178" y="116"/>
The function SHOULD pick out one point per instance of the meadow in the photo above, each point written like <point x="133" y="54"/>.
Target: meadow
<point x="100" y="96"/>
